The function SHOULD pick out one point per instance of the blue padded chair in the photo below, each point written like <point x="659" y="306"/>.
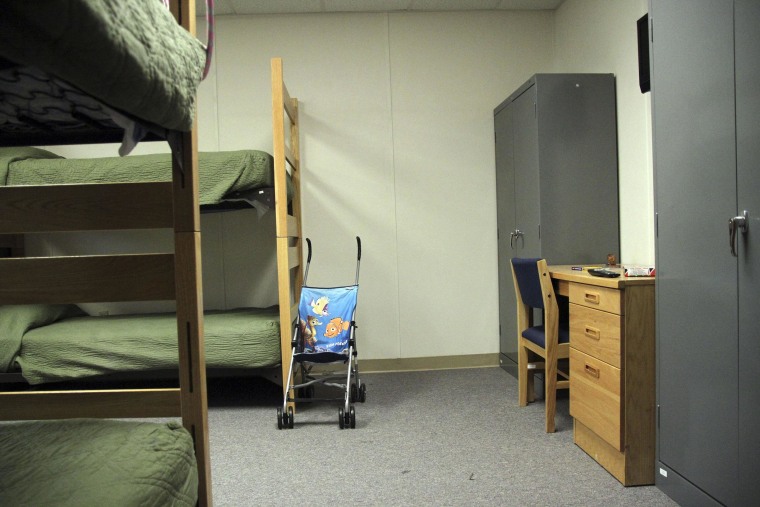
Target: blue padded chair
<point x="533" y="289"/>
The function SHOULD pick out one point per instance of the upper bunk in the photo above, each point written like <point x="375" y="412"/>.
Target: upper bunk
<point x="85" y="71"/>
<point x="226" y="179"/>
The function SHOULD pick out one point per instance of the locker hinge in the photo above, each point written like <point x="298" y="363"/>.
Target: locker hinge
<point x="658" y="416"/>
<point x="499" y="330"/>
<point x="535" y="110"/>
<point x="539" y="231"/>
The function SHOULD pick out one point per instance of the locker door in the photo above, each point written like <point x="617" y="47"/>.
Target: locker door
<point x="527" y="205"/>
<point x="747" y="40"/>
<point x="695" y="194"/>
<point x="505" y="217"/>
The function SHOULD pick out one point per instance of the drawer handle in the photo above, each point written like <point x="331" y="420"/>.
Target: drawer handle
<point x="593" y="333"/>
<point x="594" y="372"/>
<point x="591" y="297"/>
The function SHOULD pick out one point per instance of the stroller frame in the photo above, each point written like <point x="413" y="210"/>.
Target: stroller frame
<point x="303" y="361"/>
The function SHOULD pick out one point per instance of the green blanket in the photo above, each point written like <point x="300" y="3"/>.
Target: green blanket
<point x="16" y="320"/>
<point x="85" y="462"/>
<point x="132" y="56"/>
<point x="81" y="347"/>
<point x="220" y="173"/>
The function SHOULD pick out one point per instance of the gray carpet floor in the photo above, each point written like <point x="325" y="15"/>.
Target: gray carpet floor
<point x="454" y="437"/>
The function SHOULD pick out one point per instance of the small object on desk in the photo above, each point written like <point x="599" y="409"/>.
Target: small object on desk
<point x="611" y="260"/>
<point x="581" y="268"/>
<point x="639" y="271"/>
<point x="604" y="272"/>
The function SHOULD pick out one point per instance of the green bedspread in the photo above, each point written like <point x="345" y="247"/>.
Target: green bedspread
<point x="147" y="65"/>
<point x="85" y="462"/>
<point x="16" y="320"/>
<point x="85" y="346"/>
<point x="220" y="173"/>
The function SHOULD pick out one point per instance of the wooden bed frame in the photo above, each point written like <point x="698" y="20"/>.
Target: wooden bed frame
<point x="145" y="277"/>
<point x="287" y="218"/>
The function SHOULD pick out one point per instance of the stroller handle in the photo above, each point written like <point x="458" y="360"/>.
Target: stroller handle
<point x="308" y="250"/>
<point x="359" y="248"/>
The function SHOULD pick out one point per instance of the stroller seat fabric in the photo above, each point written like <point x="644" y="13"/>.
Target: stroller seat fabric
<point x="325" y="318"/>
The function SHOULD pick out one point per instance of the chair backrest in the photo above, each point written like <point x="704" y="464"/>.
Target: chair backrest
<point x="528" y="281"/>
<point x="325" y="316"/>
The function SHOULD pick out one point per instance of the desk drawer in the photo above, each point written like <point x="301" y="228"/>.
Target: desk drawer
<point x="597" y="333"/>
<point x="595" y="397"/>
<point x="601" y="298"/>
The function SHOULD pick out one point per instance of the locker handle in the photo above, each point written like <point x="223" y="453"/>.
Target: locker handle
<point x="517" y="233"/>
<point x="740" y="222"/>
<point x="591" y="297"/>
<point x="594" y="372"/>
<point x="593" y="333"/>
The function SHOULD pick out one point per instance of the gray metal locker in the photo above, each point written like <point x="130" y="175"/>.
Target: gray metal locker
<point x="556" y="180"/>
<point x="706" y="102"/>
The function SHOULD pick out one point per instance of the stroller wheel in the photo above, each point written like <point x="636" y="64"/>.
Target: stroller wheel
<point x="354" y="393"/>
<point x="363" y="393"/>
<point x="279" y="418"/>
<point x="341" y="418"/>
<point x="352" y="416"/>
<point x="290" y="417"/>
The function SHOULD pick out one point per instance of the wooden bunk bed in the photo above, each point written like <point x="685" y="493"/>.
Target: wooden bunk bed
<point x="145" y="277"/>
<point x="73" y="417"/>
<point x="52" y="344"/>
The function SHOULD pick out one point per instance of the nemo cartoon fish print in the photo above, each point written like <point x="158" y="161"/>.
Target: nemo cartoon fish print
<point x="335" y="327"/>
<point x="320" y="305"/>
<point x="309" y="330"/>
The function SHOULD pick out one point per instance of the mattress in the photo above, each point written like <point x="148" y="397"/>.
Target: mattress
<point x="148" y="67"/>
<point x="84" y="346"/>
<point x="222" y="175"/>
<point x="83" y="462"/>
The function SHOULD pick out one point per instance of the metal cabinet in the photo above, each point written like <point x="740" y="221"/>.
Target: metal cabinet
<point x="705" y="105"/>
<point x="556" y="180"/>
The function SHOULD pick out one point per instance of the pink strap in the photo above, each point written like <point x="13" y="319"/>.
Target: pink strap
<point x="209" y="36"/>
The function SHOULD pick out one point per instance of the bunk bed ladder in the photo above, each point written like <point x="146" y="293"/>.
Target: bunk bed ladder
<point x="288" y="224"/>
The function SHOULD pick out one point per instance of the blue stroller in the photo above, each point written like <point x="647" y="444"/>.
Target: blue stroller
<point x="324" y="333"/>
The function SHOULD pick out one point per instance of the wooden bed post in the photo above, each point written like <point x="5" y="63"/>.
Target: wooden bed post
<point x="189" y="295"/>
<point x="288" y="226"/>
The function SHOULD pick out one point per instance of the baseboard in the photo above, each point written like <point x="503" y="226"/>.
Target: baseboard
<point x="429" y="363"/>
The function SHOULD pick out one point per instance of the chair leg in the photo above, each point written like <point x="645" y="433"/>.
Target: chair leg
<point x="531" y="386"/>
<point x="550" y="393"/>
<point x="522" y="375"/>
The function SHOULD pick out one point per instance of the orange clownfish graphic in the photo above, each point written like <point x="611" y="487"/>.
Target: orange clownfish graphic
<point x="335" y="327"/>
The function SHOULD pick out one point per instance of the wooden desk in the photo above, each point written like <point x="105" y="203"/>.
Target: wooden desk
<point x="612" y="370"/>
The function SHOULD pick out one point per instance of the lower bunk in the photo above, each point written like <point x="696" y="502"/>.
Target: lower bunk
<point x="97" y="462"/>
<point x="60" y="343"/>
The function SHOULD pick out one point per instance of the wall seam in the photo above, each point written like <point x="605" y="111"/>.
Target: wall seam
<point x="393" y="175"/>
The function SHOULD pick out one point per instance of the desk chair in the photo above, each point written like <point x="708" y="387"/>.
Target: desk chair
<point x="533" y="289"/>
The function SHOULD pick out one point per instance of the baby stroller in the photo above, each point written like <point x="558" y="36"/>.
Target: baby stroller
<point x="324" y="333"/>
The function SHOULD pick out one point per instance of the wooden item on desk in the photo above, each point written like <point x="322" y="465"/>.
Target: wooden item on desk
<point x="612" y="370"/>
